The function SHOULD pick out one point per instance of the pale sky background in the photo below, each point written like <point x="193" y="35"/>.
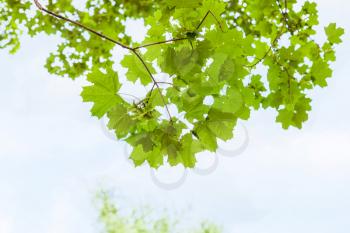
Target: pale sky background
<point x="54" y="156"/>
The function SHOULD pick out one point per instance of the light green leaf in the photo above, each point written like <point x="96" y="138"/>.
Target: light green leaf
<point x="120" y="121"/>
<point x="136" y="70"/>
<point x="103" y="92"/>
<point x="334" y="34"/>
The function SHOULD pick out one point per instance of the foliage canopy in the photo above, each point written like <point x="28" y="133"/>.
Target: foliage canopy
<point x="214" y="54"/>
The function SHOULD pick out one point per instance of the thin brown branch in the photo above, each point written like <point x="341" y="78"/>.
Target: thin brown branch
<point x="154" y="81"/>
<point x="37" y="3"/>
<point x="134" y="50"/>
<point x="154" y="85"/>
<point x="151" y="91"/>
<point x="206" y="15"/>
<point x="184" y="38"/>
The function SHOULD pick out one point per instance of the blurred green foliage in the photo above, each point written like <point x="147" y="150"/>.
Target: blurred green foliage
<point x="143" y="221"/>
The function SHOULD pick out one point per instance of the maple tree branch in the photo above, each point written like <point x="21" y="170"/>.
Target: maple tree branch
<point x="37" y="3"/>
<point x="134" y="50"/>
<point x="184" y="38"/>
<point x="155" y="83"/>
<point x="206" y="15"/>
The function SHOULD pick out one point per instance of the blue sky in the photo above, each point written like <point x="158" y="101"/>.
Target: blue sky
<point x="54" y="157"/>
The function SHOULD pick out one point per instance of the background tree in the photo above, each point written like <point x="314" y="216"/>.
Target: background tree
<point x="222" y="58"/>
<point x="143" y="220"/>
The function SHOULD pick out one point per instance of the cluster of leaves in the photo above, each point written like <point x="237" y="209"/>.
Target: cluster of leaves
<point x="12" y="14"/>
<point x="210" y="50"/>
<point x="143" y="221"/>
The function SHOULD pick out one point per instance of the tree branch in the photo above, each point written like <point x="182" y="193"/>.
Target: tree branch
<point x="206" y="15"/>
<point x="37" y="3"/>
<point x="134" y="50"/>
<point x="154" y="81"/>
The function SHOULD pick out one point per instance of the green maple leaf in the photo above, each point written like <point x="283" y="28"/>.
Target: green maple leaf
<point x="334" y="34"/>
<point x="120" y="121"/>
<point x="153" y="157"/>
<point x="206" y="137"/>
<point x="136" y="70"/>
<point x="103" y="92"/>
<point x="285" y="117"/>
<point x="189" y="147"/>
<point x="321" y="71"/>
<point x="232" y="102"/>
<point x="221" y="124"/>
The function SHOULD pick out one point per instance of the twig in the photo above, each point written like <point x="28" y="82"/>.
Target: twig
<point x="184" y="38"/>
<point x="150" y="92"/>
<point x="37" y="3"/>
<point x="206" y="15"/>
<point x="154" y="81"/>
